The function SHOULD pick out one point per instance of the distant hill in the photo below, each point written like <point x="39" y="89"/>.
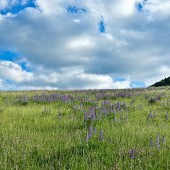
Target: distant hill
<point x="164" y="82"/>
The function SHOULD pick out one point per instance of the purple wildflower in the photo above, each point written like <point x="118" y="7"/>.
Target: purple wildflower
<point x="151" y="142"/>
<point x="94" y="130"/>
<point x="158" y="141"/>
<point x="114" y="118"/>
<point x="167" y="116"/>
<point x="101" y="137"/>
<point x="89" y="133"/>
<point x="132" y="153"/>
<point x="163" y="140"/>
<point x="127" y="118"/>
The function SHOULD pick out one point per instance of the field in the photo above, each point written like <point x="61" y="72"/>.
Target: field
<point x="85" y="129"/>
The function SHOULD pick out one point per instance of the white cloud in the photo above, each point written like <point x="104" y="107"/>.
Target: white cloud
<point x="2" y="85"/>
<point x="82" y="42"/>
<point x="52" y="7"/>
<point x="9" y="3"/>
<point x="78" y="79"/>
<point x="158" y="8"/>
<point x="24" y="2"/>
<point x="12" y="71"/>
<point x="75" y="79"/>
<point x="3" y="4"/>
<point x="76" y="20"/>
<point x="124" y="8"/>
<point x="68" y="48"/>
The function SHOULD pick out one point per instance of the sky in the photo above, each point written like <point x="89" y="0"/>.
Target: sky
<point x="83" y="44"/>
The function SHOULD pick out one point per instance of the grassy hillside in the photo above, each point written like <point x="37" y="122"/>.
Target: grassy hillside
<point x="164" y="82"/>
<point x="90" y="129"/>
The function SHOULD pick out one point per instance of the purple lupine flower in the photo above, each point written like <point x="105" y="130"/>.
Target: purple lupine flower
<point x="154" y="115"/>
<point x="167" y="116"/>
<point x="104" y="110"/>
<point x="127" y="118"/>
<point x="152" y="100"/>
<point x="114" y="118"/>
<point x="132" y="153"/>
<point x="124" y="105"/>
<point x="140" y="106"/>
<point x="159" y="96"/>
<point x="94" y="130"/>
<point x="89" y="133"/>
<point x="24" y="99"/>
<point x="101" y="113"/>
<point x="151" y="142"/>
<point x="59" y="115"/>
<point x="150" y="116"/>
<point x="132" y="102"/>
<point x="119" y="106"/>
<point x="45" y="110"/>
<point x="163" y="140"/>
<point x="121" y="118"/>
<point x="86" y="116"/>
<point x="81" y="106"/>
<point x="158" y="141"/>
<point x="101" y="135"/>
<point x="112" y="110"/>
<point x="92" y="114"/>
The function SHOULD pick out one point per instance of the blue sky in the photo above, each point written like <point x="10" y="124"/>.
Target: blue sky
<point x="102" y="27"/>
<point x="13" y="56"/>
<point x="75" y="10"/>
<point x="17" y="7"/>
<point x="61" y="44"/>
<point x="8" y="55"/>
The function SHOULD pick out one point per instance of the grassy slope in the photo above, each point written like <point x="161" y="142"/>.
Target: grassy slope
<point x="33" y="139"/>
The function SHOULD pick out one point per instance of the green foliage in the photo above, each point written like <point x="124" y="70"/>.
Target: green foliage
<point x="164" y="82"/>
<point x="95" y="129"/>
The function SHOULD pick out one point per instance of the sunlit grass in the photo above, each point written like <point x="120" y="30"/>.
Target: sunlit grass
<point x="55" y="135"/>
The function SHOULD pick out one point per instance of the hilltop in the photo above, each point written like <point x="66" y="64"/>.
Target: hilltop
<point x="163" y="82"/>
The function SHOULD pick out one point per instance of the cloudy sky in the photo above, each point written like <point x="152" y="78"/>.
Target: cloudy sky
<point x="83" y="44"/>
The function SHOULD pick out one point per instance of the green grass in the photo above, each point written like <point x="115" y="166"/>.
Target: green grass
<point x="53" y="135"/>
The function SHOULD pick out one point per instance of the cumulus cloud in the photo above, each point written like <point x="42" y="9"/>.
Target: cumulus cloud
<point x="2" y="84"/>
<point x="9" y="3"/>
<point x="75" y="79"/>
<point x="158" y="7"/>
<point x="66" y="48"/>
<point x="12" y="71"/>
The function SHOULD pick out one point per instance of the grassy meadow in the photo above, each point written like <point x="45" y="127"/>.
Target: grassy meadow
<point x="85" y="129"/>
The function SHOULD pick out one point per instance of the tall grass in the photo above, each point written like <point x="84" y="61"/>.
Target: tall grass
<point x="88" y="129"/>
